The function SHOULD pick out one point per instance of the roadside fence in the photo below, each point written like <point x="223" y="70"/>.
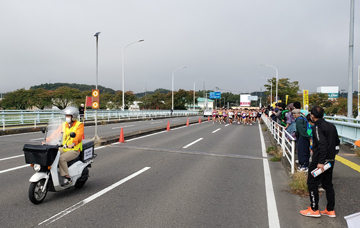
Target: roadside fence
<point x="283" y="138"/>
<point x="348" y="128"/>
<point x="11" y="118"/>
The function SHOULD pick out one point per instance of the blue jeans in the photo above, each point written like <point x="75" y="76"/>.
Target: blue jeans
<point x="303" y="145"/>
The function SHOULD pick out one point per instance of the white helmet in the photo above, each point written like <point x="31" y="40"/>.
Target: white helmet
<point x="71" y="111"/>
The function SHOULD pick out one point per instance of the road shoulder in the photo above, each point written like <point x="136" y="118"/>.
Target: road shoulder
<point x="288" y="204"/>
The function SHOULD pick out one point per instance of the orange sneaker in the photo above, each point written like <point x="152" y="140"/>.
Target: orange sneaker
<point x="310" y="213"/>
<point x="328" y="213"/>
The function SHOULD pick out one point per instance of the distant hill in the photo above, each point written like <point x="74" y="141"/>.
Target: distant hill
<point x="81" y="87"/>
<point x="148" y="93"/>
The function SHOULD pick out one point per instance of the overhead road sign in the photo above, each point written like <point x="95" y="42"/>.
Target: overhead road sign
<point x="215" y="95"/>
<point x="253" y="98"/>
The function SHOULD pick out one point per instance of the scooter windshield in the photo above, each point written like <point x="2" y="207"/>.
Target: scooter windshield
<point x="54" y="132"/>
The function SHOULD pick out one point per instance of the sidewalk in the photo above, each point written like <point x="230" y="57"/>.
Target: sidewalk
<point x="346" y="180"/>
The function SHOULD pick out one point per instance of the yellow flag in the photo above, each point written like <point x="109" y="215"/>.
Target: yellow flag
<point x="287" y="97"/>
<point x="306" y="99"/>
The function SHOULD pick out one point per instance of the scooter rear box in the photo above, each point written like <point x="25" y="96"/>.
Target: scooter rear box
<point x="43" y="155"/>
<point x="88" y="150"/>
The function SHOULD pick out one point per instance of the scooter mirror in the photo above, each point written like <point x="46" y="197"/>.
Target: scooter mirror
<point x="72" y="134"/>
<point x="43" y="130"/>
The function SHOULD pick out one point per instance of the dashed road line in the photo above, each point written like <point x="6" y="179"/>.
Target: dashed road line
<point x="17" y="156"/>
<point x="190" y="144"/>
<point x="91" y="198"/>
<point x="216" y="130"/>
<point x="123" y="126"/>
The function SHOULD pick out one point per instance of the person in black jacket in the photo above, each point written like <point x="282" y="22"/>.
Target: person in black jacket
<point x="325" y="147"/>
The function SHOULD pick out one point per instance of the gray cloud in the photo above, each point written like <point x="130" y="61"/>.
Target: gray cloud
<point x="222" y="41"/>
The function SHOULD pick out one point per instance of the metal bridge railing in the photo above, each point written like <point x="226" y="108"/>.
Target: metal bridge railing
<point x="10" y="118"/>
<point x="348" y="128"/>
<point x="283" y="138"/>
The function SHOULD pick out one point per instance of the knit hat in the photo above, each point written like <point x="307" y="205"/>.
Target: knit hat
<point x="291" y="106"/>
<point x="296" y="112"/>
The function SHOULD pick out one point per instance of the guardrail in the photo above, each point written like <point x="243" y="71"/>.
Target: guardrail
<point x="348" y="128"/>
<point x="31" y="117"/>
<point x="283" y="138"/>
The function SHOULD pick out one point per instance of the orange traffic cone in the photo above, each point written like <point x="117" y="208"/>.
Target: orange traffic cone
<point x="187" y="122"/>
<point x="168" y="126"/>
<point x="199" y="119"/>
<point x="208" y="118"/>
<point x="121" y="139"/>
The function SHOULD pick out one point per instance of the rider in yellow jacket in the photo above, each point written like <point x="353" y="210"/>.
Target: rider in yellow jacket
<point x="72" y="146"/>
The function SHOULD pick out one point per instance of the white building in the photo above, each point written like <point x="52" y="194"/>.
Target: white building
<point x="202" y="103"/>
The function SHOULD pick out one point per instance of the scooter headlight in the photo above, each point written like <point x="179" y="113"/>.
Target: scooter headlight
<point x="37" y="167"/>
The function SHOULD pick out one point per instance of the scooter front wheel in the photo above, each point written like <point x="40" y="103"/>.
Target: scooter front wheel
<point x="36" y="193"/>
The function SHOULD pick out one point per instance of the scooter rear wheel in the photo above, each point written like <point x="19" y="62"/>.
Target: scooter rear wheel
<point x="82" y="180"/>
<point x="36" y="195"/>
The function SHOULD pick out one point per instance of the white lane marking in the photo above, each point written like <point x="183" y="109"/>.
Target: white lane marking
<point x="216" y="130"/>
<point x="155" y="122"/>
<point x="123" y="126"/>
<point x="19" y="134"/>
<point x="36" y="139"/>
<point x="227" y="125"/>
<point x="23" y="166"/>
<point x="2" y="159"/>
<point x="273" y="217"/>
<point x="100" y="147"/>
<point x="19" y="167"/>
<point x="91" y="198"/>
<point x="178" y="128"/>
<point x="190" y="144"/>
<point x="144" y="136"/>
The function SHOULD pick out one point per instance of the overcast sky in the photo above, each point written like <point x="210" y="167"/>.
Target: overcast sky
<point x="223" y="41"/>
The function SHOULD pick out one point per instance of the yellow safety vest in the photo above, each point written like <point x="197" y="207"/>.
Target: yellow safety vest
<point x="66" y="136"/>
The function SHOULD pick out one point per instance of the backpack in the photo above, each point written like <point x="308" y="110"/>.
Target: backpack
<point x="283" y="117"/>
<point x="308" y="127"/>
<point x="309" y="130"/>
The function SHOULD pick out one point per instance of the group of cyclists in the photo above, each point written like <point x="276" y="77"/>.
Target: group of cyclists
<point x="243" y="116"/>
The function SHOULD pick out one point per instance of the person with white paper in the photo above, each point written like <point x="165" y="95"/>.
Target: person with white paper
<point x="325" y="147"/>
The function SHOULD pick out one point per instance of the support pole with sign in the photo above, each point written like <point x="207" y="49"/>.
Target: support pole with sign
<point x="96" y="106"/>
<point x="96" y="137"/>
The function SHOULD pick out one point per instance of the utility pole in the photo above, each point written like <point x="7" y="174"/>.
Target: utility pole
<point x="351" y="59"/>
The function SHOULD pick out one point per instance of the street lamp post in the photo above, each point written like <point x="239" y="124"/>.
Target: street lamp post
<point x="194" y="90"/>
<point x="277" y="80"/>
<point x="172" y="88"/>
<point x="270" y="89"/>
<point x="96" y="137"/>
<point x="351" y="60"/>
<point x="123" y="74"/>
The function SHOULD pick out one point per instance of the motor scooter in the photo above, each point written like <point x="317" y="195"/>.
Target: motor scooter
<point x="45" y="161"/>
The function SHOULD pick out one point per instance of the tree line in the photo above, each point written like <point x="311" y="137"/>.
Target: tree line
<point x="331" y="106"/>
<point x="62" y="96"/>
<point x="65" y="96"/>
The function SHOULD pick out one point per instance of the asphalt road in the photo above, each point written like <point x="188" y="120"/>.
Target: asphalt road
<point x="197" y="176"/>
